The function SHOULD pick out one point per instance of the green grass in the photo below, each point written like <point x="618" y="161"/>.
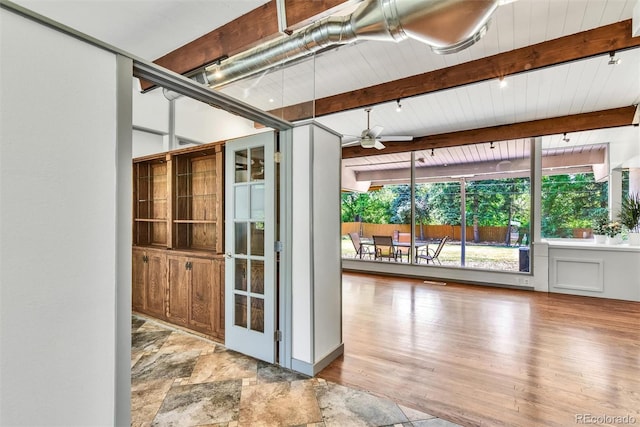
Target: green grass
<point x="485" y="256"/>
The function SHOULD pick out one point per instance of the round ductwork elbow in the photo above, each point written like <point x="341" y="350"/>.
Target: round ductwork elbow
<point x="448" y="26"/>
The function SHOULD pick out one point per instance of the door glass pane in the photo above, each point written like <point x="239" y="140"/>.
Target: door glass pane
<point x="257" y="201"/>
<point x="257" y="314"/>
<point x="241" y="274"/>
<point x="257" y="164"/>
<point x="257" y="277"/>
<point x="240" y="310"/>
<point x="257" y="238"/>
<point x="242" y="202"/>
<point x="241" y="166"/>
<point x="241" y="238"/>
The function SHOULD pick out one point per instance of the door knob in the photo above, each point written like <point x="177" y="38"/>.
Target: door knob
<point x="229" y="255"/>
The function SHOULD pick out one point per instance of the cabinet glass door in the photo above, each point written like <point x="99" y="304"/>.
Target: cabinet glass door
<point x="249" y="240"/>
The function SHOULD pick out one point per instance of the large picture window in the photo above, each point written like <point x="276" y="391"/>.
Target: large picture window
<point x="469" y="207"/>
<point x="576" y="194"/>
<point x="381" y="209"/>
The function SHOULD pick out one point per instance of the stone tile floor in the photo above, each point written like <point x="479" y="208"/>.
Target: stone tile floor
<point x="179" y="379"/>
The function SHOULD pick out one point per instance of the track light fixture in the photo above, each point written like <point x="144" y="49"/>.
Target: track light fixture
<point x="565" y="138"/>
<point x="432" y="152"/>
<point x="399" y="106"/>
<point x="612" y="58"/>
<point x="491" y="145"/>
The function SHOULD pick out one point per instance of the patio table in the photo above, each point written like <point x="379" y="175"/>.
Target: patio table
<point x="418" y="244"/>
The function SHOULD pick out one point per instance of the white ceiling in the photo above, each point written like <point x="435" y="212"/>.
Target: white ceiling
<point x="147" y="28"/>
<point x="150" y="29"/>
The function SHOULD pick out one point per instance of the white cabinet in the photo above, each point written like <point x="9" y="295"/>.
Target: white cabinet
<point x="595" y="270"/>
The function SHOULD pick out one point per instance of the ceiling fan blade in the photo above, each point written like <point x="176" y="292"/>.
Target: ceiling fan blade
<point x="375" y="131"/>
<point x="351" y="143"/>
<point x="378" y="145"/>
<point x="394" y="138"/>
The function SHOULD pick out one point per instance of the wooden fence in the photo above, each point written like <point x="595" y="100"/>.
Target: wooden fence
<point x="430" y="232"/>
<point x="435" y="232"/>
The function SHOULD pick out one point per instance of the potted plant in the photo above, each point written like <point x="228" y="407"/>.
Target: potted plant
<point x="599" y="227"/>
<point x="629" y="216"/>
<point x="613" y="230"/>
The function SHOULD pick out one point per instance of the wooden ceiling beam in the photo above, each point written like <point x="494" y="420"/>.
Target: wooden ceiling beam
<point x="586" y="44"/>
<point x="614" y="117"/>
<point x="258" y="26"/>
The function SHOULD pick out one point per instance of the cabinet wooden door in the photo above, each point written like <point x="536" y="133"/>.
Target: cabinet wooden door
<point x="218" y="293"/>
<point x="156" y="284"/>
<point x="178" y="301"/>
<point x="139" y="273"/>
<point x="202" y="298"/>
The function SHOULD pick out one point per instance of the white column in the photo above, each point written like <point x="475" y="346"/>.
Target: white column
<point x="315" y="254"/>
<point x="615" y="193"/>
<point x="123" y="204"/>
<point x="634" y="181"/>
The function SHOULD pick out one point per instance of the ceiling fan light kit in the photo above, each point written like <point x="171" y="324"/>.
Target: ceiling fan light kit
<point x="372" y="138"/>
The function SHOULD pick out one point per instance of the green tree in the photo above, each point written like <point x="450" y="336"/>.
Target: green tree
<point x="401" y="206"/>
<point x="400" y="209"/>
<point x="422" y="208"/>
<point x="373" y="207"/>
<point x="570" y="201"/>
<point x="444" y="198"/>
<point x="497" y="203"/>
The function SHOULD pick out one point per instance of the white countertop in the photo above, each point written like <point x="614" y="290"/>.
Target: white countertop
<point x="589" y="244"/>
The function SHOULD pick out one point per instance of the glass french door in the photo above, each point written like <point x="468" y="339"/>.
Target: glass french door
<point x="249" y="246"/>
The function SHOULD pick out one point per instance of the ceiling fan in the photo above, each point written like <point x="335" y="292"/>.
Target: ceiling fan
<point x="371" y="138"/>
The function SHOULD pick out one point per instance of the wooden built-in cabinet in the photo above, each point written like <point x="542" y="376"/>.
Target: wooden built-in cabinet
<point x="178" y="238"/>
<point x="196" y="293"/>
<point x="149" y="281"/>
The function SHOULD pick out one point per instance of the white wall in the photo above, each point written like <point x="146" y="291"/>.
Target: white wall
<point x="147" y="143"/>
<point x="150" y="109"/>
<point x="57" y="227"/>
<point x="193" y="120"/>
<point x="200" y="122"/>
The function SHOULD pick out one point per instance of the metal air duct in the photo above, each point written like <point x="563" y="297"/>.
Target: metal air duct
<point x="448" y="26"/>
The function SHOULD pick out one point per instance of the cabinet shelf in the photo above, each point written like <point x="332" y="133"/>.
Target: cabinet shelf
<point x="152" y="200"/>
<point x="196" y="196"/>
<point x="150" y="220"/>
<point x="196" y="174"/>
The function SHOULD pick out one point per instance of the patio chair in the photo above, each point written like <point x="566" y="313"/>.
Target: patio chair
<point x="384" y="248"/>
<point x="432" y="255"/>
<point x="361" y="249"/>
<point x="404" y="250"/>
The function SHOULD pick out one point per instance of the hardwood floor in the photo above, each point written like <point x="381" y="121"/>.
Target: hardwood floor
<point x="488" y="356"/>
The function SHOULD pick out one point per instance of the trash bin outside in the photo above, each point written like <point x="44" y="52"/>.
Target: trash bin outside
<point x="524" y="258"/>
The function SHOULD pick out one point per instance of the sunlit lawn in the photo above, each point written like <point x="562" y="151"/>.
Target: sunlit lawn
<point x="492" y="257"/>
